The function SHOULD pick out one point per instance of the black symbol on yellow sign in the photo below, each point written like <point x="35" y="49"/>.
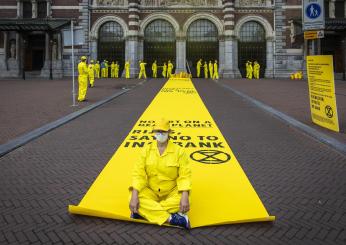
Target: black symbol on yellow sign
<point x="329" y="111"/>
<point x="210" y="156"/>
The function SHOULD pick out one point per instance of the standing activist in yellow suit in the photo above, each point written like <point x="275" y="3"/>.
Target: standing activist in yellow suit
<point x="82" y="79"/>
<point x="116" y="70"/>
<point x="205" y="69"/>
<point x="211" y="68"/>
<point x="113" y="70"/>
<point x="169" y="69"/>
<point x="97" y="69"/>
<point x="164" y="70"/>
<point x="216" y="71"/>
<point x="199" y="65"/>
<point x="142" y="70"/>
<point x="256" y="70"/>
<point x="249" y="70"/>
<point x="91" y="73"/>
<point x="127" y="69"/>
<point x="161" y="181"/>
<point x="154" y="69"/>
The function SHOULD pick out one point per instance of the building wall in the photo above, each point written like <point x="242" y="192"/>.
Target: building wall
<point x="286" y="56"/>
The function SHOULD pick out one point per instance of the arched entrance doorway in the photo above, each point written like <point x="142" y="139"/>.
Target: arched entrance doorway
<point x="111" y="44"/>
<point x="159" y="44"/>
<point x="252" y="46"/>
<point x="202" y="43"/>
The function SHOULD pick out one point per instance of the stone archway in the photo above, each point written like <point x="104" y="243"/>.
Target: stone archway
<point x="269" y="38"/>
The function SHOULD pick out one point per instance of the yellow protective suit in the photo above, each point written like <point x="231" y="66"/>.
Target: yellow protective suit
<point x="205" y="70"/>
<point x="211" y="68"/>
<point x="82" y="80"/>
<point x="107" y="69"/>
<point x="199" y="65"/>
<point x="113" y="70"/>
<point x="91" y="73"/>
<point x="154" y="69"/>
<point x="160" y="179"/>
<point x="142" y="70"/>
<point x="116" y="70"/>
<point x="256" y="70"/>
<point x="127" y="69"/>
<point x="216" y="71"/>
<point x="250" y="71"/>
<point x="164" y="70"/>
<point x="97" y="69"/>
<point x="169" y="69"/>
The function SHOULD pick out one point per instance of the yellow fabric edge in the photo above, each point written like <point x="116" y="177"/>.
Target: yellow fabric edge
<point x="100" y="214"/>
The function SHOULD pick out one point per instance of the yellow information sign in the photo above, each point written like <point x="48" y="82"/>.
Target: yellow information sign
<point x="322" y="91"/>
<point x="313" y="34"/>
<point x="221" y="192"/>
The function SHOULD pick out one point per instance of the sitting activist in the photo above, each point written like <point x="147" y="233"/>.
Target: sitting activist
<point x="161" y="181"/>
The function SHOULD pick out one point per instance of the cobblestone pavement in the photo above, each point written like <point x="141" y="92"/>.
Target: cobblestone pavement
<point x="29" y="104"/>
<point x="299" y="180"/>
<point x="292" y="97"/>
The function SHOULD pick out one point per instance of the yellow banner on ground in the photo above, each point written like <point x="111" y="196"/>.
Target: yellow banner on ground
<point x="221" y="192"/>
<point x="322" y="91"/>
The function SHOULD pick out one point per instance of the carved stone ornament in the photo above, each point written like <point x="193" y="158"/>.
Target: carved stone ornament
<point x="180" y="2"/>
<point x="111" y="2"/>
<point x="246" y="3"/>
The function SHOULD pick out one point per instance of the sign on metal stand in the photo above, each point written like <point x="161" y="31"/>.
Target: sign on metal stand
<point x="313" y="15"/>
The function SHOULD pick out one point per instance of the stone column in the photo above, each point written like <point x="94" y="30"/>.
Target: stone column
<point x="269" y="72"/>
<point x="3" y="61"/>
<point x="180" y="54"/>
<point x="132" y="40"/>
<point x="57" y="70"/>
<point x="230" y="69"/>
<point x="227" y="45"/>
<point x="46" y="67"/>
<point x="332" y="9"/>
<point x="34" y="8"/>
<point x="49" y="4"/>
<point x="93" y="47"/>
<point x="19" y="9"/>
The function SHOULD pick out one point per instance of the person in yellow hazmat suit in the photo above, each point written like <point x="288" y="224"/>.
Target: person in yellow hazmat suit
<point x="205" y="69"/>
<point x="113" y="70"/>
<point x="169" y="69"/>
<point x="250" y="70"/>
<point x="164" y="70"/>
<point x="247" y="69"/>
<point x="211" y="68"/>
<point x="91" y="74"/>
<point x="154" y="69"/>
<point x="82" y="79"/>
<point x="199" y="65"/>
<point x="116" y="70"/>
<point x="216" y="71"/>
<point x="103" y="69"/>
<point x="97" y="69"/>
<point x="256" y="70"/>
<point x="142" y="70"/>
<point x="127" y="69"/>
<point x="161" y="181"/>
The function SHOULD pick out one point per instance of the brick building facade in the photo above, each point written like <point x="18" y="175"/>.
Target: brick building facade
<point x="230" y="31"/>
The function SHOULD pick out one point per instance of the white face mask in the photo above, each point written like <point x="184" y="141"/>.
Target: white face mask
<point x="161" y="137"/>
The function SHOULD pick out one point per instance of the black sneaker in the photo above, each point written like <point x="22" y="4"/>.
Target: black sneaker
<point x="136" y="216"/>
<point x="179" y="219"/>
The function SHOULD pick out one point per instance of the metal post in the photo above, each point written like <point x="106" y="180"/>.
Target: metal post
<point x="72" y="56"/>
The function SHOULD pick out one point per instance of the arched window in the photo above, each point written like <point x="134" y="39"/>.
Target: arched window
<point x="111" y="43"/>
<point x="159" y="43"/>
<point x="252" y="46"/>
<point x="202" y="43"/>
